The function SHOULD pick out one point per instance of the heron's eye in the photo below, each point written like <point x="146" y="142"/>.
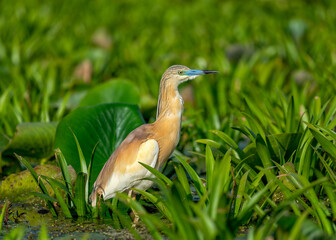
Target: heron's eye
<point x="180" y="72"/>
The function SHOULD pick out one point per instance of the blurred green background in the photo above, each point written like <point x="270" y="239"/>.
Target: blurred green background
<point x="52" y="52"/>
<point x="269" y="114"/>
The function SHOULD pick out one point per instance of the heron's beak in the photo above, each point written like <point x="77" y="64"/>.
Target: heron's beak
<point x="194" y="72"/>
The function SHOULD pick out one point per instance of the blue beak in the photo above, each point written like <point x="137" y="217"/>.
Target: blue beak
<point x="194" y="72"/>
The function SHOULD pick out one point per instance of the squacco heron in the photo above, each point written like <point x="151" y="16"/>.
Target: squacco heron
<point x="151" y="144"/>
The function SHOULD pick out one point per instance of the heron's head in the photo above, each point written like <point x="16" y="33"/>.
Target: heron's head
<point x="180" y="73"/>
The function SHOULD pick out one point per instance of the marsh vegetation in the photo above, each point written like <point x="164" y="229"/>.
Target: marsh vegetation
<point x="256" y="157"/>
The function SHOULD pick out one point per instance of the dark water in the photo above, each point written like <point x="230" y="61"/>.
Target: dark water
<point x="33" y="215"/>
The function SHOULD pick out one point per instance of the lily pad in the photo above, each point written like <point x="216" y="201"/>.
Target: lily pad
<point x="31" y="140"/>
<point x="108" y="124"/>
<point x="114" y="91"/>
<point x="16" y="187"/>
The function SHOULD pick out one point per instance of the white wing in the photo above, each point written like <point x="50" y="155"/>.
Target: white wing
<point x="148" y="153"/>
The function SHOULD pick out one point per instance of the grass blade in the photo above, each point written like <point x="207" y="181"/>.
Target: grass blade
<point x="221" y="174"/>
<point x="54" y="185"/>
<point x="182" y="177"/>
<point x="91" y="163"/>
<point x="83" y="167"/>
<point x="157" y="202"/>
<point x="44" y="196"/>
<point x="145" y="217"/>
<point x="80" y="194"/>
<point x="62" y="163"/>
<point x="157" y="174"/>
<point x="290" y="120"/>
<point x="230" y="142"/>
<point x="2" y="216"/>
<point x="43" y="233"/>
<point x="325" y="142"/>
<point x="240" y="193"/>
<point x="248" y="206"/>
<point x="194" y="176"/>
<point x="209" y="142"/>
<point x="264" y="154"/>
<point x="210" y="163"/>
<point x="39" y="183"/>
<point x="81" y="155"/>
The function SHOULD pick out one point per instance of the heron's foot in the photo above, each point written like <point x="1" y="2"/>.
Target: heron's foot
<point x="135" y="220"/>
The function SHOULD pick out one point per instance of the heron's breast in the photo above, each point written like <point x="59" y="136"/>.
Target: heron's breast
<point x="168" y="135"/>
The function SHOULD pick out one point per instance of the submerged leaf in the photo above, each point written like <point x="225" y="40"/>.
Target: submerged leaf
<point x="32" y="140"/>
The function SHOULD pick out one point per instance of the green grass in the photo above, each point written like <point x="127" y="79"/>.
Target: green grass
<point x="257" y="140"/>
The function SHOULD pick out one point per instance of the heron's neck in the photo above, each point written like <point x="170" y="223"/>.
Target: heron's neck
<point x="168" y="121"/>
<point x="170" y="103"/>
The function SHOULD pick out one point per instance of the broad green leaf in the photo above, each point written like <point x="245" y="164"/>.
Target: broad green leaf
<point x="32" y="140"/>
<point x="108" y="124"/>
<point x="114" y="91"/>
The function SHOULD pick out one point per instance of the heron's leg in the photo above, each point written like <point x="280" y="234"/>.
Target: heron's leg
<point x="99" y="197"/>
<point x="100" y="193"/>
<point x="130" y="193"/>
<point x="136" y="216"/>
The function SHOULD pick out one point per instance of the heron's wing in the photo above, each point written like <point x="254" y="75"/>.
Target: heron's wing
<point x="127" y="172"/>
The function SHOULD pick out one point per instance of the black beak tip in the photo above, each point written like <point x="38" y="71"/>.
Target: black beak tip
<point x="208" y="72"/>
